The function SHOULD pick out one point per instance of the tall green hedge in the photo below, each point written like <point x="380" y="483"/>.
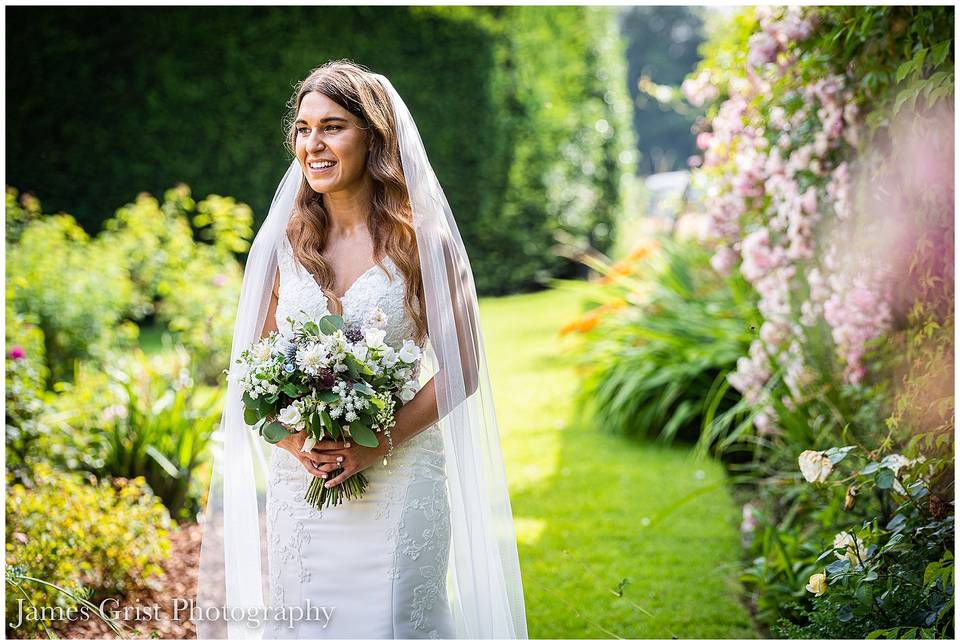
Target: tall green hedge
<point x="523" y="110"/>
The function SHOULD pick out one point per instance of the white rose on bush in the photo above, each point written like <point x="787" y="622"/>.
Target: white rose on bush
<point x="815" y="466"/>
<point x="854" y="549"/>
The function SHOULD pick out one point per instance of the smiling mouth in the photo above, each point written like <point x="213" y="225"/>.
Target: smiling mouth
<point x="319" y="168"/>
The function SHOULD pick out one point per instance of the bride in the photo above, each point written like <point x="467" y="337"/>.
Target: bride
<point x="360" y="227"/>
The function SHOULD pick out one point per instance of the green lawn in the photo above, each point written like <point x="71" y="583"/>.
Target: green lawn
<point x="593" y="510"/>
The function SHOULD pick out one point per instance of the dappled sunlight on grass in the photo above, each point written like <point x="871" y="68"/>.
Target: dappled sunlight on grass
<point x="616" y="537"/>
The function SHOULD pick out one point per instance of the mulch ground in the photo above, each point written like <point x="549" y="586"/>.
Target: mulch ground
<point x="150" y="613"/>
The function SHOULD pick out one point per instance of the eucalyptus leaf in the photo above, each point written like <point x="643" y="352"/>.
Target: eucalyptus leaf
<point x="274" y="432"/>
<point x="363" y="388"/>
<point x="327" y="396"/>
<point x="362" y="435"/>
<point x="250" y="416"/>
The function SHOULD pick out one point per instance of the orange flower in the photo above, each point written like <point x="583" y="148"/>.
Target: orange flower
<point x="590" y="319"/>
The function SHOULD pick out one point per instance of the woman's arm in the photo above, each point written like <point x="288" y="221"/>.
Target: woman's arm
<point x="270" y="323"/>
<point x="413" y="417"/>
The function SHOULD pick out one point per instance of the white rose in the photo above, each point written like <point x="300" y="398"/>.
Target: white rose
<point x="374" y="337"/>
<point x="290" y="415"/>
<point x="815" y="466"/>
<point x="409" y="352"/>
<point x="389" y="357"/>
<point x="851" y="546"/>
<point x="817" y="584"/>
<point x="359" y="351"/>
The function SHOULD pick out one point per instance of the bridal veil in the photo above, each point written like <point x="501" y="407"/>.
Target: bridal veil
<point x="483" y="578"/>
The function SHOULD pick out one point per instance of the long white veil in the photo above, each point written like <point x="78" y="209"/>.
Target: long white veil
<point x="483" y="579"/>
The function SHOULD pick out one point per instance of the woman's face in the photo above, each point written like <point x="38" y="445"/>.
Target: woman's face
<point x="326" y="132"/>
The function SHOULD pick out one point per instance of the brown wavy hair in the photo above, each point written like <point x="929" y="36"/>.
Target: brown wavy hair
<point x="353" y="87"/>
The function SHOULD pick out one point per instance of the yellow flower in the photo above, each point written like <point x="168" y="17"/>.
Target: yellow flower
<point x="818" y="584"/>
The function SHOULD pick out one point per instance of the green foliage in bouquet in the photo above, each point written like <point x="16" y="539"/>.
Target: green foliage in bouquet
<point x="70" y="530"/>
<point x="309" y="380"/>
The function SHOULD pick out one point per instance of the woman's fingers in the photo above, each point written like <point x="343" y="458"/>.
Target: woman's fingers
<point x="330" y="466"/>
<point x="308" y="465"/>
<point x="320" y="458"/>
<point x="325" y="444"/>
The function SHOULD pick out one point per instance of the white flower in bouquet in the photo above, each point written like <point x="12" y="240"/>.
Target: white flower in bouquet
<point x="309" y="443"/>
<point x="359" y="351"/>
<point x="409" y="352"/>
<point x="389" y="357"/>
<point x="291" y="415"/>
<point x="238" y="373"/>
<point x="408" y="391"/>
<point x="374" y="337"/>
<point x="312" y="358"/>
<point x="261" y="352"/>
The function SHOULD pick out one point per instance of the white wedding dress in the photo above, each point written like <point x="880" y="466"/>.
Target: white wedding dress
<point x="379" y="562"/>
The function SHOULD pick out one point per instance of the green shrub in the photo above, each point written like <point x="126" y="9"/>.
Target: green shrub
<point x="79" y="299"/>
<point x="888" y="569"/>
<point x="189" y="286"/>
<point x="140" y="416"/>
<point x="71" y="531"/>
<point x="524" y="110"/>
<point x="672" y="331"/>
<point x="25" y="393"/>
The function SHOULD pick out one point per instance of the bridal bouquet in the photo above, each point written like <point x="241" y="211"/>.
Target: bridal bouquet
<point x="330" y="382"/>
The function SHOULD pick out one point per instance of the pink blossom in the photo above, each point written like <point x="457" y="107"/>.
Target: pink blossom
<point x="763" y="48"/>
<point x="17" y="352"/>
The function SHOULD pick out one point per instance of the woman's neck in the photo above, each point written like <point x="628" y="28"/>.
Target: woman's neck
<point x="348" y="210"/>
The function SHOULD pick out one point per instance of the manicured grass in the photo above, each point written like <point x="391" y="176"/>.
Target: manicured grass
<point x="593" y="510"/>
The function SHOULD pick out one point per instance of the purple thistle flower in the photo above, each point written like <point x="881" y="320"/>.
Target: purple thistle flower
<point x="353" y="334"/>
<point x="326" y="379"/>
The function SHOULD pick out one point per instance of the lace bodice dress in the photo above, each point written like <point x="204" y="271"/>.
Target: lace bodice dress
<point x="380" y="562"/>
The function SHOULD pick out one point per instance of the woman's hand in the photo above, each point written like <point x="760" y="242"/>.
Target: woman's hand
<point x="355" y="460"/>
<point x="325" y="451"/>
